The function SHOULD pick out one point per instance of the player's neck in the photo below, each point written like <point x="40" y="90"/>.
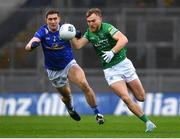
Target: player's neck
<point x="53" y="30"/>
<point x="99" y="27"/>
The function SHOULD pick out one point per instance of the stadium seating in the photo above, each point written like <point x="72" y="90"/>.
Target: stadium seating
<point x="153" y="46"/>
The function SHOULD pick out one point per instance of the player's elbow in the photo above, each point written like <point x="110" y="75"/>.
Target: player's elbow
<point x="125" y="40"/>
<point x="28" y="48"/>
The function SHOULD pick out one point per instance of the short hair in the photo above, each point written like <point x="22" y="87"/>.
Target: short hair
<point x="91" y="11"/>
<point x="51" y="11"/>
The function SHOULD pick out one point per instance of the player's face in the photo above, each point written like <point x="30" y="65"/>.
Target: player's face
<point x="94" y="22"/>
<point x="52" y="21"/>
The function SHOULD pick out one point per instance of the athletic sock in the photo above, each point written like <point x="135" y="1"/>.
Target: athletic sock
<point x="95" y="110"/>
<point x="144" y="118"/>
<point x="69" y="107"/>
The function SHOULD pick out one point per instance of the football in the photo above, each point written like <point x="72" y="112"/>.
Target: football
<point x="67" y="31"/>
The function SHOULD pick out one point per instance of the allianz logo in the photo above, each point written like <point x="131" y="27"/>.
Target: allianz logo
<point x="46" y="104"/>
<point x="155" y="104"/>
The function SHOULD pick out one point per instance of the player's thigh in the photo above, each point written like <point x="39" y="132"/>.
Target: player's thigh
<point x="120" y="89"/>
<point x="76" y="75"/>
<point x="137" y="89"/>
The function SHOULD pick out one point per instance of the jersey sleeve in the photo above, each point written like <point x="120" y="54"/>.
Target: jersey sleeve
<point x="40" y="33"/>
<point x="86" y="35"/>
<point x="111" y="29"/>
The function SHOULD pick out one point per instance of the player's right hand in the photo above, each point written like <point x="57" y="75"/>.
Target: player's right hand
<point x="107" y="56"/>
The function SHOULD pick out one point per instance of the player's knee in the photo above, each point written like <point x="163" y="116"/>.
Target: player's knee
<point x="126" y="99"/>
<point x="141" y="98"/>
<point x="84" y="85"/>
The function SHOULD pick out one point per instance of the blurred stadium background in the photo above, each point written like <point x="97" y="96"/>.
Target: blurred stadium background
<point x="152" y="27"/>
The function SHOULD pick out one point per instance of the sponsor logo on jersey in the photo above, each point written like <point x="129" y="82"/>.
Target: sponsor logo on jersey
<point x="55" y="47"/>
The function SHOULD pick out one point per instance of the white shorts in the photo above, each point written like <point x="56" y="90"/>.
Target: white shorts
<point x="121" y="71"/>
<point x="59" y="78"/>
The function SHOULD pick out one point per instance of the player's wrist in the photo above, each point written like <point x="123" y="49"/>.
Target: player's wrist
<point x="113" y="51"/>
<point x="34" y="45"/>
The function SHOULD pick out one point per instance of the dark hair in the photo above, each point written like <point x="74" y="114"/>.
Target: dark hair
<point x="96" y="11"/>
<point x="51" y="11"/>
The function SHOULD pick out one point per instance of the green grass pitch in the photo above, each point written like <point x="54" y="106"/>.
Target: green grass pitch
<point x="65" y="127"/>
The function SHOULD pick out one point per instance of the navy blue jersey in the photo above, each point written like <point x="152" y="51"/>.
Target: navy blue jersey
<point x="57" y="52"/>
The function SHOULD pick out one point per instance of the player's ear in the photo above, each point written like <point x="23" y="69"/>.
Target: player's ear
<point x="100" y="18"/>
<point x="45" y="20"/>
<point x="59" y="18"/>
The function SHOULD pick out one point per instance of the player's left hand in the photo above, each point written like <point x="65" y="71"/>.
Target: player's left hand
<point x="107" y="56"/>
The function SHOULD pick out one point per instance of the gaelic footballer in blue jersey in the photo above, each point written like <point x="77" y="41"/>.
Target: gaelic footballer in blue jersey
<point x="60" y="64"/>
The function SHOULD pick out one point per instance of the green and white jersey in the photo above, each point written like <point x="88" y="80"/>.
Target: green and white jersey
<point x="102" y="40"/>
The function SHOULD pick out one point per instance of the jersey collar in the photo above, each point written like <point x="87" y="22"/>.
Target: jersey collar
<point x="56" y="29"/>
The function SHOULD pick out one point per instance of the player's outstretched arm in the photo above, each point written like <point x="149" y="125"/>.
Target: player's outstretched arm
<point x="79" y="43"/>
<point x="33" y="43"/>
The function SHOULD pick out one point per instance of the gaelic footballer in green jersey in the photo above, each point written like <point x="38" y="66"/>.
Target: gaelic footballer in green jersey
<point x="102" y="40"/>
<point x="109" y="44"/>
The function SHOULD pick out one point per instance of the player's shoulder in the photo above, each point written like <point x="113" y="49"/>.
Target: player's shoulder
<point x="86" y="33"/>
<point x="105" y="24"/>
<point x="44" y="29"/>
<point x="109" y="28"/>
